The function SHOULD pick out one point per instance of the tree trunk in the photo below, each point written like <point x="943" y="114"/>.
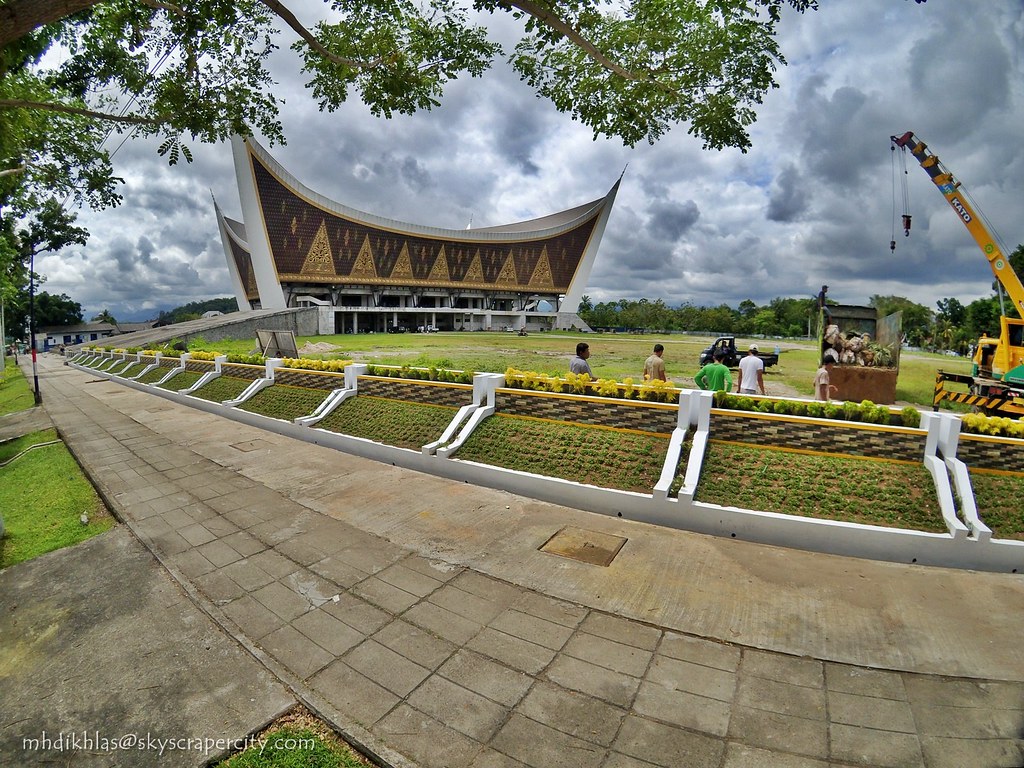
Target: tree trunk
<point x="19" y="17"/>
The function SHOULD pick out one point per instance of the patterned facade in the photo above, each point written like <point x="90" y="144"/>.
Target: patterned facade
<point x="368" y="273"/>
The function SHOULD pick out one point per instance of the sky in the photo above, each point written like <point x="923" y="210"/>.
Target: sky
<point x="811" y="203"/>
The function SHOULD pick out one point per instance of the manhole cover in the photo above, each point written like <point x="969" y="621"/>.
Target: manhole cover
<point x="586" y="546"/>
<point x="251" y="445"/>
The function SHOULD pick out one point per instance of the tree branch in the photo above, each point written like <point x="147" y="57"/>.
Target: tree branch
<point x="277" y="7"/>
<point x="69" y="110"/>
<point x="13" y="171"/>
<point x="554" y="22"/>
<point x="158" y="6"/>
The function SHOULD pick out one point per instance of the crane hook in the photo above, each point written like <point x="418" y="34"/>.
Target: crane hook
<point x="892" y="246"/>
<point x="906" y="225"/>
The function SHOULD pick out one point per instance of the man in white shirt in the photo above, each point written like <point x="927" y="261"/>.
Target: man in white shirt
<point x="750" y="380"/>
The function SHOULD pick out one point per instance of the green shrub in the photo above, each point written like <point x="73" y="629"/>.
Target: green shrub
<point x="911" y="417"/>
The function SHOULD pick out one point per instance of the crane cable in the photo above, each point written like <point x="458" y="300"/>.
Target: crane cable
<point x="905" y="194"/>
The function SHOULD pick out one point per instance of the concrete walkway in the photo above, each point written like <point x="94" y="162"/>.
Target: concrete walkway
<point x="419" y="616"/>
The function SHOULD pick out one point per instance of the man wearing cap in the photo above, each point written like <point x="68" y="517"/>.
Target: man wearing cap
<point x="750" y="379"/>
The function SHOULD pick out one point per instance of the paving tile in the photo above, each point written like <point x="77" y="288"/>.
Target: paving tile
<point x="196" y="534"/>
<point x="296" y="651"/>
<point x="338" y="572"/>
<point x="220" y="527"/>
<point x="357" y="613"/>
<point x="435" y="569"/>
<point x="170" y="543"/>
<point x="486" y="587"/>
<point x="536" y="630"/>
<point x="490" y="758"/>
<point x="243" y="518"/>
<point x="415" y="644"/>
<point x="682" y="708"/>
<point x="467" y="712"/>
<point x="679" y="675"/>
<point x="385" y="667"/>
<point x="273" y="563"/>
<point x="599" y="682"/>
<point x="384" y="595"/>
<point x="878" y="749"/>
<point x="622" y="630"/>
<point x="784" y="698"/>
<point x="328" y="632"/>
<point x="466" y="604"/>
<point x="966" y="722"/>
<point x="354" y="694"/>
<point x="520" y="654"/>
<point x="865" y="682"/>
<point x="549" y="608"/>
<point x="573" y="713"/>
<point x="219" y="553"/>
<point x="619" y="760"/>
<point x="191" y="564"/>
<point x="303" y="554"/>
<point x="283" y="601"/>
<point x="619" y="657"/>
<point x="442" y="622"/>
<point x="370" y="556"/>
<point x="809" y="673"/>
<point x="700" y="651"/>
<point x="314" y="589"/>
<point x="252" y="617"/>
<point x="964" y="693"/>
<point x="486" y="677"/>
<point x="666" y="746"/>
<point x="244" y="543"/>
<point x="247" y="575"/>
<point x="218" y="587"/>
<point x="409" y="580"/>
<point x="425" y="741"/>
<point x="957" y="753"/>
<point x="742" y="756"/>
<point x="539" y="746"/>
<point x="774" y="731"/>
<point x="870" y="712"/>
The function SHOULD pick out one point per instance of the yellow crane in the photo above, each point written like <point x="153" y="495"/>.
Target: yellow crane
<point x="996" y="383"/>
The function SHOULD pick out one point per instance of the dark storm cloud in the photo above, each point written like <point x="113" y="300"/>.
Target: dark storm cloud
<point x="670" y="220"/>
<point x="788" y="198"/>
<point x="810" y="202"/>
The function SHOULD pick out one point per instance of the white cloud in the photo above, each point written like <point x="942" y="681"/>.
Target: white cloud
<point x="811" y="202"/>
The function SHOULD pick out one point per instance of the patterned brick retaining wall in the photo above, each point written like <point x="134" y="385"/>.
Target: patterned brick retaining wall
<point x="642" y="416"/>
<point x="239" y="371"/>
<point x="982" y="452"/>
<point x="199" y="366"/>
<point x="818" y="435"/>
<point x="432" y="392"/>
<point x="311" y="380"/>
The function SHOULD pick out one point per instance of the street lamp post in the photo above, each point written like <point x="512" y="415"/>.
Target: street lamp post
<point x="32" y="323"/>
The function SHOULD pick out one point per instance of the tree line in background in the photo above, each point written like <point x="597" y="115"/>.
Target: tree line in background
<point x="950" y="326"/>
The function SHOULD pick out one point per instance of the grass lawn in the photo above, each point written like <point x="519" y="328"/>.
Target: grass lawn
<point x="42" y="495"/>
<point x="848" y="489"/>
<point x="395" y="422"/>
<point x="613" y="356"/>
<point x="284" y="402"/>
<point x="1000" y="500"/>
<point x="297" y="740"/>
<point x="15" y="392"/>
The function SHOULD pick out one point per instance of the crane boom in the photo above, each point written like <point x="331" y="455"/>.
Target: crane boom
<point x="949" y="186"/>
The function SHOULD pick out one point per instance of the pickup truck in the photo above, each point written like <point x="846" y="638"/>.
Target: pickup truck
<point x="727" y="344"/>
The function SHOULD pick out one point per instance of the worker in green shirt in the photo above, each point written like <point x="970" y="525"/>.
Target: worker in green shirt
<point x="714" y="376"/>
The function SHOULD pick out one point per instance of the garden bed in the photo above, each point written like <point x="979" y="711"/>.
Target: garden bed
<point x="133" y="370"/>
<point x="603" y="457"/>
<point x="1000" y="506"/>
<point x="181" y="381"/>
<point x="284" y="402"/>
<point x="222" y="388"/>
<point x="871" y="492"/>
<point x="154" y="376"/>
<point x="394" y="422"/>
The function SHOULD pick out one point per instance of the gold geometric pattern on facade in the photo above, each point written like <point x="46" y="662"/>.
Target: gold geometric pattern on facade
<point x="319" y="261"/>
<point x="439" y="272"/>
<point x="542" y="277"/>
<point x="403" y="265"/>
<point x="364" y="266"/>
<point x="507" y="276"/>
<point x="295" y="224"/>
<point x="475" y="273"/>
<point x="251" y="289"/>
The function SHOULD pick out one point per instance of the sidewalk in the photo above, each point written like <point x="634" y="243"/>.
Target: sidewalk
<point x="419" y="616"/>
